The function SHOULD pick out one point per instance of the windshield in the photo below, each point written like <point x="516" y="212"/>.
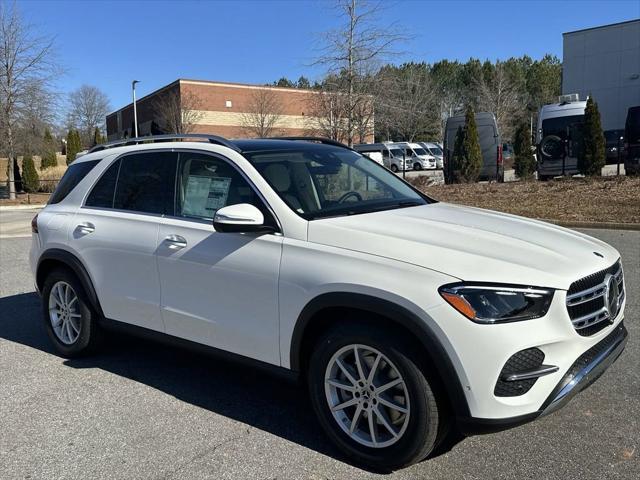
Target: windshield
<point x="317" y="182"/>
<point x="420" y="151"/>
<point x="437" y="151"/>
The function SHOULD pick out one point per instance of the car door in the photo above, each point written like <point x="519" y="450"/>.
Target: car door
<point x="116" y="235"/>
<point x="219" y="289"/>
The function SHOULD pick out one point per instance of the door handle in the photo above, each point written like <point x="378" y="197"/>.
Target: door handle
<point x="86" y="228"/>
<point x="176" y="241"/>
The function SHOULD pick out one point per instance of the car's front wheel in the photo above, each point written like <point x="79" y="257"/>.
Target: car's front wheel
<point x="69" y="319"/>
<point x="372" y="396"/>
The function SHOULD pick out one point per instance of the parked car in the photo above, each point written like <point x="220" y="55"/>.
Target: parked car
<point x="371" y="150"/>
<point x="406" y="317"/>
<point x="632" y="141"/>
<point x="490" y="144"/>
<point x="436" y="151"/>
<point x="392" y="156"/>
<point x="559" y="137"/>
<point x="614" y="146"/>
<point x="418" y="157"/>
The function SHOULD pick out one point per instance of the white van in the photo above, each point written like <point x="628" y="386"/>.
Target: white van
<point x="559" y="137"/>
<point x="390" y="154"/>
<point x="418" y="157"/>
<point x="436" y="151"/>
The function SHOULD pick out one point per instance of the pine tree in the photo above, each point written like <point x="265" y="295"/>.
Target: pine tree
<point x="74" y="145"/>
<point x="48" y="154"/>
<point x="457" y="158"/>
<point x="592" y="156"/>
<point x="524" y="162"/>
<point x="30" y="180"/>
<point x="97" y="137"/>
<point x="472" y="159"/>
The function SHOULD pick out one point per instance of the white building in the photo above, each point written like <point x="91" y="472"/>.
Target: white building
<point x="604" y="62"/>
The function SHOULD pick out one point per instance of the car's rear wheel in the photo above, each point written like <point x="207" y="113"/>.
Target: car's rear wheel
<point x="394" y="168"/>
<point x="69" y="319"/>
<point x="373" y="396"/>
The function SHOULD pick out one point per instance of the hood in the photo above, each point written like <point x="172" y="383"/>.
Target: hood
<point x="470" y="244"/>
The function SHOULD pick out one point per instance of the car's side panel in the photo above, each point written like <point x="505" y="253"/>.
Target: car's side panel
<point x="221" y="289"/>
<point x="118" y="250"/>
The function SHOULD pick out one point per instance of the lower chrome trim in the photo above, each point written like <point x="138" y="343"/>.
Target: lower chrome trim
<point x="535" y="373"/>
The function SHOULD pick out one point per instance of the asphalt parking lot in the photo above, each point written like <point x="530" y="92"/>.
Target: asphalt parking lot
<point x="141" y="410"/>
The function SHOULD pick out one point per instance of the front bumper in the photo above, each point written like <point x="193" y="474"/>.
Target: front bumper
<point x="584" y="371"/>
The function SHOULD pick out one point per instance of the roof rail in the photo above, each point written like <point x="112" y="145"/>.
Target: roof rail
<point x="215" y="139"/>
<point x="324" y="140"/>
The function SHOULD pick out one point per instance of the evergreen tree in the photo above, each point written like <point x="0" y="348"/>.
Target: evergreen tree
<point x="457" y="158"/>
<point x="303" y="82"/>
<point x="592" y="155"/>
<point x="74" y="145"/>
<point x="48" y="154"/>
<point x="524" y="162"/>
<point x="97" y="137"/>
<point x="30" y="180"/>
<point x="472" y="159"/>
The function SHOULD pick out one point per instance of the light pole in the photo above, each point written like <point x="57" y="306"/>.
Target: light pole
<point x="135" y="110"/>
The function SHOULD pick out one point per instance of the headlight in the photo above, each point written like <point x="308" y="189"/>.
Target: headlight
<point x="484" y="303"/>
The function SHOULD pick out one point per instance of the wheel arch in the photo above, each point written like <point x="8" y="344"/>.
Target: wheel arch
<point x="313" y="320"/>
<point x="56" y="257"/>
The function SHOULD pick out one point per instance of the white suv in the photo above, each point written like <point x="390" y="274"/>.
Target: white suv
<point x="405" y="316"/>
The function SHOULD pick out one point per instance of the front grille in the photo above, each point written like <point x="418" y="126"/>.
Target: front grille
<point x="588" y="300"/>
<point x="524" y="360"/>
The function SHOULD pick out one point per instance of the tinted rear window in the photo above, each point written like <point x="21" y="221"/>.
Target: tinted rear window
<point x="146" y="183"/>
<point x="72" y="177"/>
<point x="103" y="192"/>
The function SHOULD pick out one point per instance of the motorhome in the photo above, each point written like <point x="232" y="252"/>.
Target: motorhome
<point x="559" y="137"/>
<point x="490" y="144"/>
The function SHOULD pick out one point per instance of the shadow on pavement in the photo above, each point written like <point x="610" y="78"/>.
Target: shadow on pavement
<point x="239" y="392"/>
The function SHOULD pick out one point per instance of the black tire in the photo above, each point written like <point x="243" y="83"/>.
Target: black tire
<point x="428" y="419"/>
<point x="394" y="168"/>
<point x="90" y="334"/>
<point x="417" y="167"/>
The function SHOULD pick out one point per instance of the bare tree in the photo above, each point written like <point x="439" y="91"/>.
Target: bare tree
<point x="88" y="108"/>
<point x="328" y="114"/>
<point x="263" y="115"/>
<point x="500" y="93"/>
<point x="352" y="50"/>
<point x="178" y="111"/>
<point x="26" y="59"/>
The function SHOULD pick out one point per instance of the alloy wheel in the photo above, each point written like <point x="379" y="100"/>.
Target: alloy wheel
<point x="64" y="312"/>
<point x="367" y="396"/>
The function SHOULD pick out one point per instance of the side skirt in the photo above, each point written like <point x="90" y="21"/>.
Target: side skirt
<point x="166" y="339"/>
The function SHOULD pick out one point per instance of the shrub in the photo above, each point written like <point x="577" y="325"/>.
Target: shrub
<point x="74" y="145"/>
<point x="48" y="155"/>
<point x="50" y="177"/>
<point x="591" y="159"/>
<point x="30" y="180"/>
<point x="524" y="162"/>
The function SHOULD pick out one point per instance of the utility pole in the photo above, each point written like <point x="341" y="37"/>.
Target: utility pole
<point x="135" y="110"/>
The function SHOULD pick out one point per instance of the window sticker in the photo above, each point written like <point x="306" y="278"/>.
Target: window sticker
<point x="205" y="195"/>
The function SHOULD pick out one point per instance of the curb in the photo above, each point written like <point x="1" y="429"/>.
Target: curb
<point x="8" y="208"/>
<point x="596" y="225"/>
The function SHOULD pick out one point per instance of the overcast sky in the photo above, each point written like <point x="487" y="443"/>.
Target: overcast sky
<point x="110" y="43"/>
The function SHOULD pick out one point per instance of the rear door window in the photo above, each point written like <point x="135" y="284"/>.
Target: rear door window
<point x="146" y="183"/>
<point x="102" y="194"/>
<point x="71" y="178"/>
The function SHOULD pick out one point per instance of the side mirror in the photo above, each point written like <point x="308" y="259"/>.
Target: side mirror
<point x="241" y="217"/>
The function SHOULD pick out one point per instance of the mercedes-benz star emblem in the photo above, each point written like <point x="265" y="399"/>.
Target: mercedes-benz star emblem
<point x="612" y="297"/>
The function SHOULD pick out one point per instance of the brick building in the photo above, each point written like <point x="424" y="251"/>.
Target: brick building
<point x="218" y="108"/>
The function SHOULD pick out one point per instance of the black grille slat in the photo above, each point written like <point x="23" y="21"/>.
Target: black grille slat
<point x="593" y="305"/>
